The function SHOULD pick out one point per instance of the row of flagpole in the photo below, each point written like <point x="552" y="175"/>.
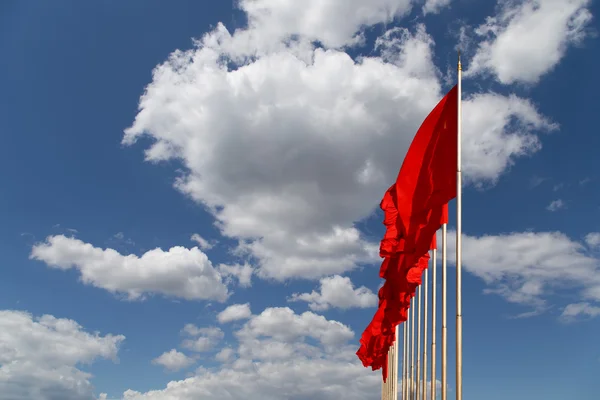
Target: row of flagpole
<point x="414" y="379"/>
<point x="415" y="387"/>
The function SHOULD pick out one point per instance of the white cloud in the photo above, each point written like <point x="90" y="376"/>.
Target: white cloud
<point x="291" y="148"/>
<point x="434" y="6"/>
<point x="528" y="267"/>
<point x="40" y="357"/>
<point x="203" y="243"/>
<point x="234" y="312"/>
<point x="173" y="360"/>
<point x="202" y="339"/>
<point x="276" y="361"/>
<point x="243" y="273"/>
<point x="338" y="292"/>
<point x="334" y="23"/>
<point x="527" y="38"/>
<point x="556" y="205"/>
<point x="283" y="325"/>
<point x="492" y="143"/>
<point x="179" y="272"/>
<point x="225" y="355"/>
<point x="593" y="240"/>
<point x="573" y="311"/>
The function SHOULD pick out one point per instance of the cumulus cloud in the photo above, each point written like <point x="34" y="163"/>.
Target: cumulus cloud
<point x="234" y="312"/>
<point x="556" y="205"/>
<point x="527" y="267"/>
<point x="334" y="23"/>
<point x="593" y="240"/>
<point x="527" y="38"/>
<point x="179" y="272"/>
<point x="173" y="360"/>
<point x="225" y="355"/>
<point x="280" y="354"/>
<point x="572" y="311"/>
<point x="337" y="292"/>
<point x="202" y="243"/>
<point x="201" y="340"/>
<point x="241" y="272"/>
<point x="40" y="357"/>
<point x="290" y="147"/>
<point x="434" y="6"/>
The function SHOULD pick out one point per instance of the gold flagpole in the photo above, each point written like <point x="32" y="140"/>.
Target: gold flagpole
<point x="433" y="322"/>
<point x="425" y="317"/>
<point x="459" y="242"/>
<point x="444" y="316"/>
<point x="418" y="379"/>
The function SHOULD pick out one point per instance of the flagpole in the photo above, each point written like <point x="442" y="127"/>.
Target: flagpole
<point x="391" y="387"/>
<point x="418" y="394"/>
<point x="412" y="349"/>
<point x="407" y="356"/>
<point x="425" y="317"/>
<point x="390" y="372"/>
<point x="403" y="360"/>
<point x="459" y="241"/>
<point x="433" y="321"/>
<point x="444" y="316"/>
<point x="396" y="355"/>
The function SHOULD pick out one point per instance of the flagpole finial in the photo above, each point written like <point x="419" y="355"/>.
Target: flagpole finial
<point x="459" y="64"/>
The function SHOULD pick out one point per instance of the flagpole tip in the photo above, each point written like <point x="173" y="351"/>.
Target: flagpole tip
<point x="459" y="63"/>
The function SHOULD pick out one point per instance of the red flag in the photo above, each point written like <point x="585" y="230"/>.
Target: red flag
<point x="415" y="207"/>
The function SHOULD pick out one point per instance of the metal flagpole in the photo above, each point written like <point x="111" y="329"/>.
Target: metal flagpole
<point x="425" y="316"/>
<point x="412" y="349"/>
<point x="390" y="372"/>
<point x="444" y="317"/>
<point x="407" y="357"/>
<point x="418" y="379"/>
<point x="433" y="321"/>
<point x="459" y="242"/>
<point x="396" y="353"/>
<point x="404" y="361"/>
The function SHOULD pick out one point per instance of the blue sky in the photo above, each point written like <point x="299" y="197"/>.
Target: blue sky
<point x="276" y="152"/>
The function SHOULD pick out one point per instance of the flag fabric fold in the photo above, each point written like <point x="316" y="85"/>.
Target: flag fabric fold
<point x="414" y="207"/>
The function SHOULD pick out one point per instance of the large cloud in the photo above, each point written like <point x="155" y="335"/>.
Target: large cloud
<point x="527" y="267"/>
<point x="40" y="357"/>
<point x="280" y="354"/>
<point x="337" y="291"/>
<point x="334" y="23"/>
<point x="179" y="272"/>
<point x="290" y="148"/>
<point x="527" y="38"/>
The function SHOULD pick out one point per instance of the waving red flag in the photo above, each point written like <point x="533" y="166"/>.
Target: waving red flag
<point x="415" y="207"/>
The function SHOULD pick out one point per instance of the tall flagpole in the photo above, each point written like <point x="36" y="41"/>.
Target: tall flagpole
<point x="404" y="360"/>
<point x="390" y="372"/>
<point x="406" y="357"/>
<point x="433" y="321"/>
<point x="459" y="242"/>
<point x="444" y="317"/>
<point x="390" y="380"/>
<point x="418" y="378"/>
<point x="396" y="355"/>
<point x="412" y="348"/>
<point x="425" y="317"/>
